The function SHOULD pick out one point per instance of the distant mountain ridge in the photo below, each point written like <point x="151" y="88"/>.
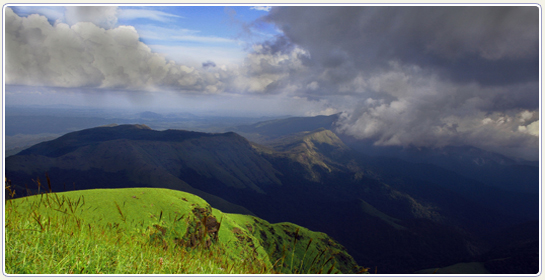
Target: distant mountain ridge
<point x="125" y="153"/>
<point x="487" y="167"/>
<point x="271" y="129"/>
<point x="71" y="141"/>
<point x="396" y="222"/>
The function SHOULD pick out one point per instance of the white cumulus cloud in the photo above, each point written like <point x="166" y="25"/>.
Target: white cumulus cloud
<point x="85" y="54"/>
<point x="103" y="16"/>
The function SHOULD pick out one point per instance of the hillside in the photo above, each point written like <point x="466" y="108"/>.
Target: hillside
<point x="144" y="157"/>
<point x="310" y="149"/>
<point x="386" y="214"/>
<point x="488" y="168"/>
<point x="272" y="129"/>
<point x="165" y="218"/>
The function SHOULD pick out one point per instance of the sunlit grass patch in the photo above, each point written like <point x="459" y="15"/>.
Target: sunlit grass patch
<point x="153" y="231"/>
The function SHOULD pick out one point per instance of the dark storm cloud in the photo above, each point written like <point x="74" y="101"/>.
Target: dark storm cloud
<point x="463" y="43"/>
<point x="425" y="76"/>
<point x="280" y="44"/>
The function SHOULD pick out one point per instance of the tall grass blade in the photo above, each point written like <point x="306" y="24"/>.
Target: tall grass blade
<point x="331" y="268"/>
<point x="37" y="217"/>
<point x="48" y="182"/>
<point x="180" y="218"/>
<point x="315" y="259"/>
<point x="294" y="244"/>
<point x="120" y="212"/>
<point x="304" y="256"/>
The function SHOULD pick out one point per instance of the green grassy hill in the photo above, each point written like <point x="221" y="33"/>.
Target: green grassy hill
<point x="148" y="231"/>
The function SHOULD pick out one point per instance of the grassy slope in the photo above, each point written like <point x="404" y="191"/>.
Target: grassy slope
<point x="143" y="230"/>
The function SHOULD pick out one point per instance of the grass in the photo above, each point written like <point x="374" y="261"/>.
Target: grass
<point x="155" y="231"/>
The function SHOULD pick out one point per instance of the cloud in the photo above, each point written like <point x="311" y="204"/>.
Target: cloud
<point x="250" y="32"/>
<point x="86" y="55"/>
<point x="208" y="64"/>
<point x="413" y="108"/>
<point x="462" y="43"/>
<point x="171" y="42"/>
<point x="52" y="13"/>
<point x="203" y="39"/>
<point x="153" y="32"/>
<point x="532" y="129"/>
<point x="172" y="35"/>
<point x="267" y="72"/>
<point x="194" y="56"/>
<point x="102" y="16"/>
<point x="131" y="14"/>
<point x="325" y="112"/>
<point x="261" y="8"/>
<point x="402" y="104"/>
<point x="424" y="76"/>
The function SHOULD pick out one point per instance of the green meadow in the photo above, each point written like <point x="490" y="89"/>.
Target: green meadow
<point x="156" y="231"/>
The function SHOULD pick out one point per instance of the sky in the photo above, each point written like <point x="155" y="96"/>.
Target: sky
<point x="398" y="75"/>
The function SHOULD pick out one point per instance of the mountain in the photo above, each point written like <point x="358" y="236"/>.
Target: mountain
<point x="150" y="115"/>
<point x="396" y="222"/>
<point x="489" y="179"/>
<point x="271" y="129"/>
<point x="29" y="125"/>
<point x="515" y="250"/>
<point x="135" y="155"/>
<point x="489" y="168"/>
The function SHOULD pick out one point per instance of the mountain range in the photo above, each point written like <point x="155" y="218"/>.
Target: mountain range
<point x="486" y="167"/>
<point x="390" y="213"/>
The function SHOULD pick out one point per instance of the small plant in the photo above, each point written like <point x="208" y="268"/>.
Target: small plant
<point x="9" y="191"/>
